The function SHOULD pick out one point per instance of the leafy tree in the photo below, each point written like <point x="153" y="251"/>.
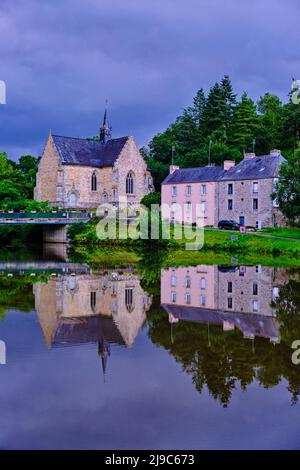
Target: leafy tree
<point x="270" y="123"/>
<point x="28" y="166"/>
<point x="287" y="191"/>
<point x="151" y="198"/>
<point x="17" y="181"/>
<point x="290" y="136"/>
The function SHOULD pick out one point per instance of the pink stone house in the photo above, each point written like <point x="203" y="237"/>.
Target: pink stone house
<point x="242" y="193"/>
<point x="191" y="194"/>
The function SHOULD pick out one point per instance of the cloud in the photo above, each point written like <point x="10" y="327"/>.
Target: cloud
<point x="62" y="59"/>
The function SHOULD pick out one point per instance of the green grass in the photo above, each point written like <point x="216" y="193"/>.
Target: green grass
<point x="220" y="241"/>
<point x="193" y="258"/>
<point x="282" y="232"/>
<point x="84" y="237"/>
<point x="105" y="257"/>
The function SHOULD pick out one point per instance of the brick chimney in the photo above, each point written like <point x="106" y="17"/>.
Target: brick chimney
<point x="275" y="153"/>
<point x="249" y="155"/>
<point x="173" y="168"/>
<point x="228" y="164"/>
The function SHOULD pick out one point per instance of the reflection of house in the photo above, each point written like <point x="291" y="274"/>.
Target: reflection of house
<point x="235" y="297"/>
<point x="109" y="308"/>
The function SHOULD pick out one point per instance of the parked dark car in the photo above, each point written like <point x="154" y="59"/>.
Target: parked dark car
<point x="227" y="268"/>
<point x="228" y="225"/>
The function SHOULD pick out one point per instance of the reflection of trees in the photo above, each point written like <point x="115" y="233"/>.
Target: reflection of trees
<point x="287" y="306"/>
<point x="150" y="264"/>
<point x="225" y="360"/>
<point x="16" y="293"/>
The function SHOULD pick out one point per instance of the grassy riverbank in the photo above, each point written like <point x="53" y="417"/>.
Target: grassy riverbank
<point x="253" y="246"/>
<point x="112" y="257"/>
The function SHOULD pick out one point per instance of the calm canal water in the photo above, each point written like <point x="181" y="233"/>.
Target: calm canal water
<point x="198" y="358"/>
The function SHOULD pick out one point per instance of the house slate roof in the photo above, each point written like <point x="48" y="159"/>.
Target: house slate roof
<point x="260" y="167"/>
<point x="76" y="151"/>
<point x="194" y="175"/>
<point x="249" y="323"/>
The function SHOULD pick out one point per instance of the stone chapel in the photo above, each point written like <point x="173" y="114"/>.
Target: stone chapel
<point x="78" y="173"/>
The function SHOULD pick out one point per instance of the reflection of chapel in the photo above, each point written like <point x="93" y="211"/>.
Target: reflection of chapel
<point x="104" y="309"/>
<point x="84" y="173"/>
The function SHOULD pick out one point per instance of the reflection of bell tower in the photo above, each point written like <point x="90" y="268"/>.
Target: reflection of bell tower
<point x="104" y="353"/>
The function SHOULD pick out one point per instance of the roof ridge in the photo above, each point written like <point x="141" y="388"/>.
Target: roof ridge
<point x="89" y="139"/>
<point x="199" y="167"/>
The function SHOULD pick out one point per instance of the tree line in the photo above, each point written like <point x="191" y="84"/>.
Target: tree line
<point x="17" y="182"/>
<point x="218" y="127"/>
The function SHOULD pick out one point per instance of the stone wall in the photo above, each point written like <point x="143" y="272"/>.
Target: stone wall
<point x="242" y="199"/>
<point x="130" y="159"/>
<point x="77" y="188"/>
<point x="46" y="178"/>
<point x="242" y="281"/>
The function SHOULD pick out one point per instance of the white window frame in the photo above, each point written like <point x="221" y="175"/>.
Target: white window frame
<point x="255" y="306"/>
<point x="203" y="190"/>
<point x="188" y="190"/>
<point x="173" y="280"/>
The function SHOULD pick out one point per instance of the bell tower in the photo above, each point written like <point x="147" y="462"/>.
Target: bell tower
<point x="105" y="129"/>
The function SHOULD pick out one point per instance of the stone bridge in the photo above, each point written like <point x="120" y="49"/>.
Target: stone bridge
<point x="55" y="223"/>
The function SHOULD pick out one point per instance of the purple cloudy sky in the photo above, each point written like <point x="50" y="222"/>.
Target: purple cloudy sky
<point x="61" y="59"/>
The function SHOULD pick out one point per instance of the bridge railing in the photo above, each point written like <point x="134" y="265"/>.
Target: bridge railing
<point x="45" y="215"/>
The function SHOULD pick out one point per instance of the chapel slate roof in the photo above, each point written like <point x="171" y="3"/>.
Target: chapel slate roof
<point x="260" y="167"/>
<point x="87" y="329"/>
<point x="76" y="151"/>
<point x="194" y="175"/>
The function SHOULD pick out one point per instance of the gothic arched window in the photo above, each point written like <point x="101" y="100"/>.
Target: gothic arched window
<point x="129" y="300"/>
<point x="130" y="183"/>
<point x="94" y="182"/>
<point x="93" y="300"/>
